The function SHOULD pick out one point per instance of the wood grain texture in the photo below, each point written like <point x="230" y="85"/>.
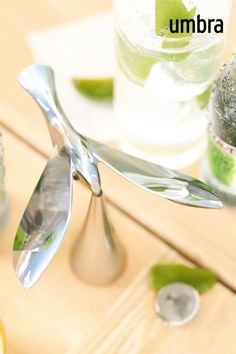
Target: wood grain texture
<point x="132" y="326"/>
<point x="61" y="315"/>
<point x="59" y="310"/>
<point x="206" y="237"/>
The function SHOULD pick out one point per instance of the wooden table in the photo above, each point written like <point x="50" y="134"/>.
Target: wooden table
<point x="62" y="315"/>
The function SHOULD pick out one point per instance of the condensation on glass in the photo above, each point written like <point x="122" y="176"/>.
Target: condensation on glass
<point x="162" y="84"/>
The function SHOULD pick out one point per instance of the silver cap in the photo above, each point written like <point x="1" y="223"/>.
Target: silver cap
<point x="177" y="303"/>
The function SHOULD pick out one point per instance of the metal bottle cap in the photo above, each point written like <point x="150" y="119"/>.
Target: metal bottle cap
<point x="177" y="303"/>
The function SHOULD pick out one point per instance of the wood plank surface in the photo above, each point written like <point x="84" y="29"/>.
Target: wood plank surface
<point x="60" y="314"/>
<point x="206" y="237"/>
<point x="59" y="310"/>
<point x="132" y="326"/>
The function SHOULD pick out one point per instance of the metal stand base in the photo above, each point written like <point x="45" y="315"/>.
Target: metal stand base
<point x="98" y="258"/>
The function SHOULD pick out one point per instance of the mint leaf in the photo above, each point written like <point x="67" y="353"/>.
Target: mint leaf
<point x="164" y="274"/>
<point x="97" y="89"/>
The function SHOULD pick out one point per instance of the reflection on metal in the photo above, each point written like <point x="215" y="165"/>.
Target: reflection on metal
<point x="38" y="81"/>
<point x="157" y="179"/>
<point x="98" y="257"/>
<point x="45" y="220"/>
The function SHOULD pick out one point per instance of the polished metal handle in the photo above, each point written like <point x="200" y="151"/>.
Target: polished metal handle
<point x="85" y="153"/>
<point x="159" y="180"/>
<point x="38" y="81"/>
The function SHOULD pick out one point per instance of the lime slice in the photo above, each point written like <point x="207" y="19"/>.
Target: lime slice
<point x="3" y="338"/>
<point x="167" y="10"/>
<point x="97" y="89"/>
<point x="164" y="274"/>
<point x="135" y="63"/>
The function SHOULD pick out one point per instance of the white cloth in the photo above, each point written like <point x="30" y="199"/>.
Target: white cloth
<point x="81" y="49"/>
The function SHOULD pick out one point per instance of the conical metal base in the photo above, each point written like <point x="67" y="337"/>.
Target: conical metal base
<point x="98" y="257"/>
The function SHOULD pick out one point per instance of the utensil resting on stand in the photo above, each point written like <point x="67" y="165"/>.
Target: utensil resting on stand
<point x="98" y="257"/>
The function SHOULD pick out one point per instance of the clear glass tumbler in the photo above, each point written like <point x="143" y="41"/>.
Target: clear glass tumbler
<point x="163" y="82"/>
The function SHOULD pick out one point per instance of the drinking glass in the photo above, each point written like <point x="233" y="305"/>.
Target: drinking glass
<point x="163" y="84"/>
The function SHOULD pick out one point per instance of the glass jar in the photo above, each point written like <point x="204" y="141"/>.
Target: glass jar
<point x="163" y="82"/>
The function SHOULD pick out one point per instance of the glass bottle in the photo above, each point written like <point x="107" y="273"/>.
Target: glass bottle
<point x="219" y="167"/>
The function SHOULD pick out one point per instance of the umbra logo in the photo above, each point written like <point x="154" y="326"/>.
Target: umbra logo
<point x="200" y="25"/>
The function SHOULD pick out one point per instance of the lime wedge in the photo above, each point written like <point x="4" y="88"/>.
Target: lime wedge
<point x="167" y="10"/>
<point x="97" y="89"/>
<point x="164" y="274"/>
<point x="135" y="63"/>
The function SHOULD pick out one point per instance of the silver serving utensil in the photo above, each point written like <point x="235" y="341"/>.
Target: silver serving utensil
<point x="38" y="81"/>
<point x="108" y="255"/>
<point x="162" y="181"/>
<point x="86" y="153"/>
<point x="83" y="155"/>
<point x="45" y="220"/>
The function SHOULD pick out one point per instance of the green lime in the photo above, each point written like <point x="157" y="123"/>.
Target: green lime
<point x="222" y="164"/>
<point x="164" y="274"/>
<point x="97" y="89"/>
<point x="167" y="10"/>
<point x="134" y="62"/>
